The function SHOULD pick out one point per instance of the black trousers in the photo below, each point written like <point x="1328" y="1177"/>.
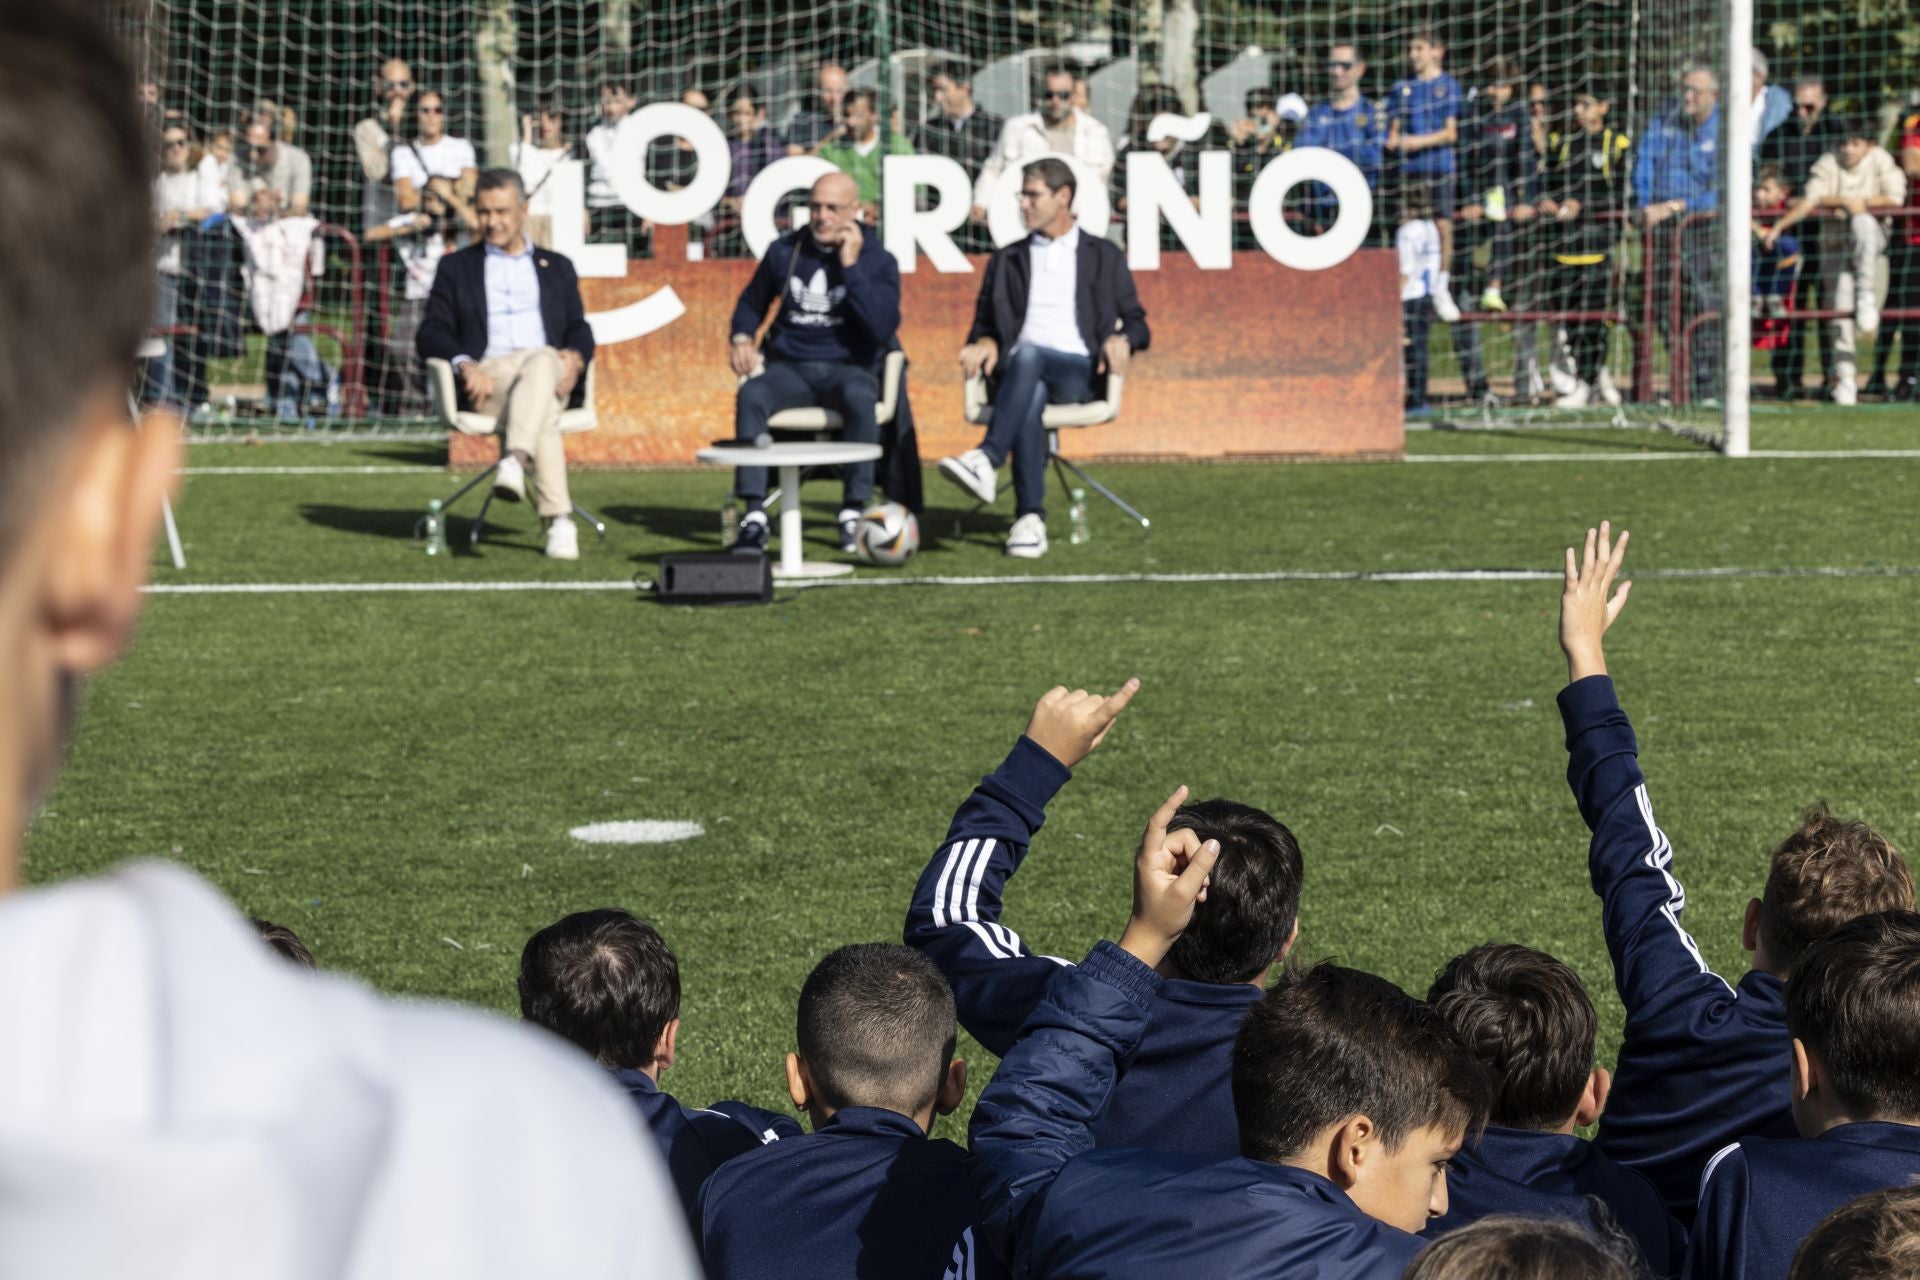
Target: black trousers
<point x="1584" y="288"/>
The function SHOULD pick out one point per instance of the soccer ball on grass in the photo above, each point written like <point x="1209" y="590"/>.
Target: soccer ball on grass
<point x="888" y="535"/>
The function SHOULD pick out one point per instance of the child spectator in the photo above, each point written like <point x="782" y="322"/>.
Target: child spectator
<point x="606" y="983"/>
<point x="1174" y="1094"/>
<point x="867" y="1193"/>
<point x="1509" y="1248"/>
<point x="1853" y="1009"/>
<point x="1702" y="1063"/>
<point x="1876" y="1237"/>
<point x="1423" y="124"/>
<point x="1351" y="1097"/>
<point x="1528" y="1020"/>
<point x="1418" y="244"/>
<point x="1776" y="262"/>
<point x="1499" y="163"/>
<point x="1585" y="186"/>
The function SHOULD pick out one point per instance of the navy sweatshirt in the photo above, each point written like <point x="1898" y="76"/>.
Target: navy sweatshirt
<point x="866" y="1194"/>
<point x="1053" y="1206"/>
<point x="842" y="315"/>
<point x="695" y="1143"/>
<point x="1551" y="1175"/>
<point x="1761" y="1198"/>
<point x="1702" y="1064"/>
<point x="1174" y="1091"/>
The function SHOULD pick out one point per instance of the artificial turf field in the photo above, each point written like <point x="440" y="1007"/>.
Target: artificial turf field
<point x="395" y="774"/>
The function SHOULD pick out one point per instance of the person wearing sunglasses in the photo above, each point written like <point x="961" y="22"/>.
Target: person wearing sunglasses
<point x="181" y="199"/>
<point x="1795" y="147"/>
<point x="1346" y="122"/>
<point x="435" y="158"/>
<point x="267" y="163"/>
<point x="373" y="139"/>
<point x="1054" y="127"/>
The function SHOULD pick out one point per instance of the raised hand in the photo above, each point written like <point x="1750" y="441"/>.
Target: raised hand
<point x="1586" y="609"/>
<point x="1169" y="877"/>
<point x="1068" y="725"/>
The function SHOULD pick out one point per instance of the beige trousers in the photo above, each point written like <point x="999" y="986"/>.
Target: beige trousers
<point x="1849" y="262"/>
<point x="526" y="401"/>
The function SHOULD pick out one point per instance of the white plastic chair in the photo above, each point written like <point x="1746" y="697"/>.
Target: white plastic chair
<point x="1056" y="418"/>
<point x="445" y="395"/>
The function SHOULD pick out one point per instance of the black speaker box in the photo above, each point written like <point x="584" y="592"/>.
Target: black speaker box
<point x="714" y="578"/>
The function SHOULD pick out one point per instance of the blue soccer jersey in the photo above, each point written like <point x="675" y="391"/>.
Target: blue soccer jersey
<point x="1356" y="132"/>
<point x="1421" y="107"/>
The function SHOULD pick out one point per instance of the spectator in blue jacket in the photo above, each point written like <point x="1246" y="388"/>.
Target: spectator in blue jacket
<point x="1703" y="1063"/>
<point x="839" y="296"/>
<point x="1174" y="1093"/>
<point x="1351" y="1098"/>
<point x="1853" y="1008"/>
<point x="607" y="983"/>
<point x="867" y="1193"/>
<point x="1871" y="1238"/>
<point x="1513" y="1248"/>
<point x="1677" y="173"/>
<point x="1527" y="1018"/>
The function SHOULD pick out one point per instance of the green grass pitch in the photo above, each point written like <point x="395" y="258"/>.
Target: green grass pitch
<point x="395" y="775"/>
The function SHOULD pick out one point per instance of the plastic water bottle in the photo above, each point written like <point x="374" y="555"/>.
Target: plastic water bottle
<point x="433" y="530"/>
<point x="729" y="523"/>
<point x="1077" y="519"/>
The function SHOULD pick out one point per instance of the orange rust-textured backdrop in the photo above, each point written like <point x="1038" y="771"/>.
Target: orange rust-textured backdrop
<point x="1259" y="361"/>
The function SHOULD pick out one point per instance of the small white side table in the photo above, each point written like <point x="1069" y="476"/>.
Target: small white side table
<point x="789" y="458"/>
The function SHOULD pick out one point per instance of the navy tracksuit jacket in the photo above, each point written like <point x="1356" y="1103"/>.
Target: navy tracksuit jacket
<point x="695" y="1143"/>
<point x="1052" y="1206"/>
<point x="1551" y="1175"/>
<point x="866" y="1194"/>
<point x="1761" y="1198"/>
<point x="1702" y="1064"/>
<point x="1174" y="1092"/>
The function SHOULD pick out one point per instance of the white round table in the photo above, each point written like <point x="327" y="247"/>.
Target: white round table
<point x="789" y="458"/>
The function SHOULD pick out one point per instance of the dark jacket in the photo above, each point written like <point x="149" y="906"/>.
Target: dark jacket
<point x="866" y="1194"/>
<point x="1174" y="1091"/>
<point x="1760" y="1199"/>
<point x="1702" y="1063"/>
<point x="1052" y="1206"/>
<point x="455" y="323"/>
<point x="1106" y="302"/>
<point x="827" y="312"/>
<point x="969" y="142"/>
<point x="695" y="1143"/>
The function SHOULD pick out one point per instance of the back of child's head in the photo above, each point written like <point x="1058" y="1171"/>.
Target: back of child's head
<point x="1327" y="1043"/>
<point x="1854" y="1002"/>
<point x="603" y="980"/>
<point x="1504" y="1247"/>
<point x="1876" y="1237"/>
<point x="1769" y="175"/>
<point x="1253" y="895"/>
<point x="1416" y="202"/>
<point x="1526" y="1017"/>
<point x="877" y="1028"/>
<point x="1827" y="872"/>
<point x="284" y="942"/>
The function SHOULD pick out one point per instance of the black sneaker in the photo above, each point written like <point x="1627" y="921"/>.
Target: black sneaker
<point x="752" y="537"/>
<point x="1905" y="391"/>
<point x="1875" y="386"/>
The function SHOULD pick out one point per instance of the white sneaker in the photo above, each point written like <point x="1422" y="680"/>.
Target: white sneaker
<point x="510" y="481"/>
<point x="1609" y="392"/>
<point x="1443" y="304"/>
<point x="563" y="540"/>
<point x="1866" y="313"/>
<point x="1579" y="398"/>
<point x="1844" y="392"/>
<point x="1028" y="537"/>
<point x="974" y="473"/>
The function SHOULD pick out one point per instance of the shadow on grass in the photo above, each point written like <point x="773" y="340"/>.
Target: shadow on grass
<point x="399" y="525"/>
<point x="411" y="453"/>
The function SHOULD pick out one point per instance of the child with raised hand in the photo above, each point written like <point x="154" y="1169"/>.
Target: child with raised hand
<point x="1703" y="1063"/>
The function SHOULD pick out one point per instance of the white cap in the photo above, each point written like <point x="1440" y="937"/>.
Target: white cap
<point x="1291" y="107"/>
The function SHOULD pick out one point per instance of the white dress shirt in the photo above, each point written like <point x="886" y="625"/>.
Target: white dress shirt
<point x="513" y="302"/>
<point x="1053" y="320"/>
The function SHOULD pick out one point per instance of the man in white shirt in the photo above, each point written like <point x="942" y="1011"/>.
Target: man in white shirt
<point x="1849" y="190"/>
<point x="1056" y="310"/>
<point x="1055" y="127"/>
<point x="175" y="1100"/>
<point x="434" y="158"/>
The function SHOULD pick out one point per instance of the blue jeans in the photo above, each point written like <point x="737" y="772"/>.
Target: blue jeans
<point x="1031" y="378"/>
<point x="847" y="389"/>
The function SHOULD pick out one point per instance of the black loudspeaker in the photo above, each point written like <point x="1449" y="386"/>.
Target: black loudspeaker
<point x="710" y="578"/>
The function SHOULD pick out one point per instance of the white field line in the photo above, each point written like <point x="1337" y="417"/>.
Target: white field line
<point x="1012" y="580"/>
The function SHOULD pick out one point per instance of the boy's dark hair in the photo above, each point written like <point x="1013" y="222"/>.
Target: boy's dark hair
<point x="1427" y="34"/>
<point x="1770" y="173"/>
<point x="1876" y="1237"/>
<point x="284" y="941"/>
<point x="1827" y="872"/>
<point x="860" y="95"/>
<point x="1506" y="1247"/>
<point x="1416" y="202"/>
<point x="1329" y="1042"/>
<point x="1526" y="1017"/>
<point x="952" y="69"/>
<point x="603" y="980"/>
<point x="1503" y="71"/>
<point x="1253" y="895"/>
<point x="1854" y="1001"/>
<point x="1856" y="126"/>
<point x="876" y="1027"/>
<point x="1054" y="173"/>
<point x="76" y="273"/>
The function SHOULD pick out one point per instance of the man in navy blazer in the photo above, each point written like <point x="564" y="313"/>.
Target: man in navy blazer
<point x="1056" y="310"/>
<point x="507" y="315"/>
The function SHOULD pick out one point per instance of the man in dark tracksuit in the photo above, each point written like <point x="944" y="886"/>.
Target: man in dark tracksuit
<point x="1173" y="1092"/>
<point x="1586" y="189"/>
<point x="1854" y="1009"/>
<point x="1702" y="1063"/>
<point x="867" y="1193"/>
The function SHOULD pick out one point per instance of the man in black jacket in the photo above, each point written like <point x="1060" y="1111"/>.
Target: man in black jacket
<point x="508" y="316"/>
<point x="1062" y="305"/>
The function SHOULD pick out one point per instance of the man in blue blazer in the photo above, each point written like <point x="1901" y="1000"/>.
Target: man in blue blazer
<point x="508" y="317"/>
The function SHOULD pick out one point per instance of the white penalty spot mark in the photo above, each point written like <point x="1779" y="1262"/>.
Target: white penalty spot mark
<point x="637" y="831"/>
